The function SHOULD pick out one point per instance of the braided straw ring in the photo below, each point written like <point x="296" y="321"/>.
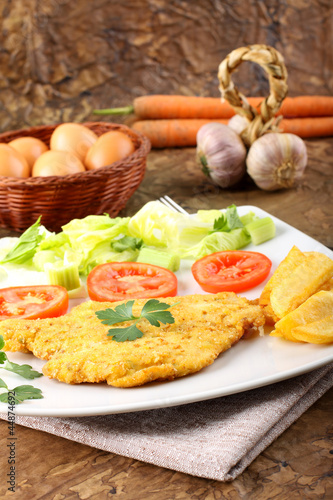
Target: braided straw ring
<point x="273" y="63"/>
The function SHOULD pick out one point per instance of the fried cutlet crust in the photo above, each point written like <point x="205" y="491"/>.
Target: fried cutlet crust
<point x="78" y="349"/>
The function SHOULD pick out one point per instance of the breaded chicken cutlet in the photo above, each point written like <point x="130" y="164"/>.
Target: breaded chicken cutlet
<point x="78" y="349"/>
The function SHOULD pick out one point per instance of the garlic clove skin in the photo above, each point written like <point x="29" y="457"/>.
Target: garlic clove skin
<point x="277" y="161"/>
<point x="221" y="153"/>
<point x="238" y="123"/>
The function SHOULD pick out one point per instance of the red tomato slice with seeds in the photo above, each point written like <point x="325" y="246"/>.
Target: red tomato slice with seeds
<point x="32" y="302"/>
<point x="232" y="271"/>
<point x="115" y="281"/>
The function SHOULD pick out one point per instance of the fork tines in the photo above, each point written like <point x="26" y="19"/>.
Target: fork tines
<point x="166" y="200"/>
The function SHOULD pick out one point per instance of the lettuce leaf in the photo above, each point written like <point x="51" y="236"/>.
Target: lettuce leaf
<point x="87" y="241"/>
<point x="97" y="239"/>
<point x="218" y="242"/>
<point x="159" y="226"/>
<point x="25" y="248"/>
<point x="91" y="239"/>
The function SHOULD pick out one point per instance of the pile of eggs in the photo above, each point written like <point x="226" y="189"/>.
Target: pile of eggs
<point x="73" y="148"/>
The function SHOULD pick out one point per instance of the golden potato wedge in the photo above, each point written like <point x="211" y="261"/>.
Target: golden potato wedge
<point x="318" y="332"/>
<point x="297" y="286"/>
<point x="291" y="261"/>
<point x="328" y="285"/>
<point x="314" y="309"/>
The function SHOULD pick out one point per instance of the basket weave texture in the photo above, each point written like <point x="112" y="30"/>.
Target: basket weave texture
<point x="61" y="199"/>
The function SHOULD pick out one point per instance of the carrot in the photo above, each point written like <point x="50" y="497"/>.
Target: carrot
<point x="177" y="106"/>
<point x="172" y="133"/>
<point x="182" y="132"/>
<point x="308" y="127"/>
<point x="306" y="106"/>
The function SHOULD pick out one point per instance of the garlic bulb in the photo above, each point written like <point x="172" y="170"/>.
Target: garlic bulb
<point x="277" y="161"/>
<point x="222" y="154"/>
<point x="238" y="123"/>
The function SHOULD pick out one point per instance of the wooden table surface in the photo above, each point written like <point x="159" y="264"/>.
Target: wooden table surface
<point x="298" y="465"/>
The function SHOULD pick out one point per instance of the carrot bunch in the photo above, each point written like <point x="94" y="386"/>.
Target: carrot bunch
<point x="174" y="120"/>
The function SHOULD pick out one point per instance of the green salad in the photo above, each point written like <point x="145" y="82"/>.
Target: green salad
<point x="154" y="235"/>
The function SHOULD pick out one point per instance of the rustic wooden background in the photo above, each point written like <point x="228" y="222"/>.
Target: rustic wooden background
<point x="60" y="59"/>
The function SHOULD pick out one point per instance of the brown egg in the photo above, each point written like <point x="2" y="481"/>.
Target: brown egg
<point x="109" y="147"/>
<point x="57" y="163"/>
<point x="12" y="163"/>
<point x="74" y="138"/>
<point x="30" y="147"/>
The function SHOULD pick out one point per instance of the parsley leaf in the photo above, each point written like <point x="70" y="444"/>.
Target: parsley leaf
<point x="153" y="310"/>
<point x="21" y="392"/>
<point x="26" y="245"/>
<point x="3" y="384"/>
<point x="228" y="221"/>
<point x="221" y="224"/>
<point x="4" y="397"/>
<point x="121" y="313"/>
<point x="125" y="243"/>
<point x="25" y="371"/>
<point x="121" y="334"/>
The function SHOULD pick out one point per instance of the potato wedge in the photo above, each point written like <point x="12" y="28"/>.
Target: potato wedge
<point x="328" y="285"/>
<point x="302" y="282"/>
<point x="318" y="332"/>
<point x="315" y="309"/>
<point x="289" y="264"/>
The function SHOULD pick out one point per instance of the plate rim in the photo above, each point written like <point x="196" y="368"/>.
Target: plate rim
<point x="30" y="410"/>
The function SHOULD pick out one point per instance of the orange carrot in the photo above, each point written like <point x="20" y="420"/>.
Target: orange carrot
<point x="308" y="127"/>
<point x="306" y="106"/>
<point x="182" y="132"/>
<point x="177" y="106"/>
<point x="172" y="133"/>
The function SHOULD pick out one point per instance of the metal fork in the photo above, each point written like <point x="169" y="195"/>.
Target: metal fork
<point x="167" y="201"/>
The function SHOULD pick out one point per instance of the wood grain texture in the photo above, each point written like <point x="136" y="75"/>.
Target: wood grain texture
<point x="62" y="59"/>
<point x="297" y="465"/>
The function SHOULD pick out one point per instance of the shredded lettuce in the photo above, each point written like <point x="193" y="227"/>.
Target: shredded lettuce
<point x="88" y="241"/>
<point x="155" y="224"/>
<point x="97" y="239"/>
<point x="208" y="216"/>
<point x="86" y="234"/>
<point x="159" y="226"/>
<point x="218" y="242"/>
<point x="43" y="257"/>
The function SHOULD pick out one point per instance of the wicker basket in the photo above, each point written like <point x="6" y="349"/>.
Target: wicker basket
<point x="60" y="199"/>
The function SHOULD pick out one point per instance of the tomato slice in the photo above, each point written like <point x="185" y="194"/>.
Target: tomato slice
<point x="31" y="302"/>
<point x="130" y="280"/>
<point x="232" y="271"/>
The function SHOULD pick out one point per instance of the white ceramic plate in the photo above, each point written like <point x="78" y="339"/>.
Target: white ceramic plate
<point x="250" y="364"/>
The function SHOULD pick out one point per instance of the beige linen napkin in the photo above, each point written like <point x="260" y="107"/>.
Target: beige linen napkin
<point x="215" y="439"/>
